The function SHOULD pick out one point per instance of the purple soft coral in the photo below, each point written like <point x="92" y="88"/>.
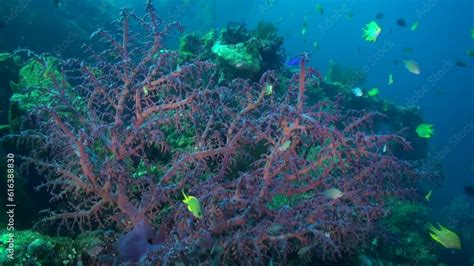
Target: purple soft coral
<point x="259" y="163"/>
<point x="135" y="244"/>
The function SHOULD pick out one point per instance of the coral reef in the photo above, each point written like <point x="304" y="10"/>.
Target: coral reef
<point x="342" y="76"/>
<point x="405" y="240"/>
<point x="338" y="85"/>
<point x="238" y="58"/>
<point x="458" y="215"/>
<point x="9" y="66"/>
<point x="258" y="162"/>
<point x="33" y="248"/>
<point x="237" y="51"/>
<point x="407" y="223"/>
<point x="34" y="76"/>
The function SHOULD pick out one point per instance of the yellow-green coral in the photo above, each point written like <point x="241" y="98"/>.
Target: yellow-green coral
<point x="37" y="87"/>
<point x="238" y="56"/>
<point x="35" y="79"/>
<point x="35" y="74"/>
<point x="32" y="248"/>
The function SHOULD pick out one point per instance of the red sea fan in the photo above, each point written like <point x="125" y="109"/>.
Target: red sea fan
<point x="108" y="124"/>
<point x="276" y="206"/>
<point x="129" y="130"/>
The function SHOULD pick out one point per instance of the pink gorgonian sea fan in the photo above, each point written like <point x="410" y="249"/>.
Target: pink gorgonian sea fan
<point x="128" y="130"/>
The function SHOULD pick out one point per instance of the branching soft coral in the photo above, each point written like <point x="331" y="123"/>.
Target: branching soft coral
<point x="306" y="150"/>
<point x="111" y="160"/>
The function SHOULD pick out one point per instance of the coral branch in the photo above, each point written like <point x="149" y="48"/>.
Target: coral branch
<point x="127" y="132"/>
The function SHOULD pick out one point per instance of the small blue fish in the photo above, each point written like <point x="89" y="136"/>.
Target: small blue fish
<point x="294" y="61"/>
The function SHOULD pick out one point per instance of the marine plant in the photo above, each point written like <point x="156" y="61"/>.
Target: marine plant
<point x="106" y="155"/>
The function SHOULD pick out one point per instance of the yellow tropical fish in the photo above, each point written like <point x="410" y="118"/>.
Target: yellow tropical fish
<point x="373" y="92"/>
<point x="412" y="66"/>
<point x="333" y="193"/>
<point x="285" y="146"/>
<point x="371" y="31"/>
<point x="445" y="237"/>
<point x="193" y="205"/>
<point x="425" y="130"/>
